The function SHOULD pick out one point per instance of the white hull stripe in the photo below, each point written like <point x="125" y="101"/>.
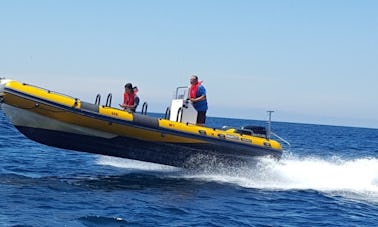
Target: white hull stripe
<point x="21" y="117"/>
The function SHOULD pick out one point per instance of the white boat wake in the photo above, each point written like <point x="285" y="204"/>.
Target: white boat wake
<point x="356" y="179"/>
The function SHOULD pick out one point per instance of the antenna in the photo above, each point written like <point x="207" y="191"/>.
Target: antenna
<point x="269" y="123"/>
<point x="269" y="130"/>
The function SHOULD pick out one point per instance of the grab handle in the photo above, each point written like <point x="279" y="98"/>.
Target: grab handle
<point x="98" y="99"/>
<point x="144" y="108"/>
<point x="167" y="113"/>
<point x="109" y="100"/>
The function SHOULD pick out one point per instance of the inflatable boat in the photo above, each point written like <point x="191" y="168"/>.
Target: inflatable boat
<point x="66" y="122"/>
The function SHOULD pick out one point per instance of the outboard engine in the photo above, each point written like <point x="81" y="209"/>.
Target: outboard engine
<point x="252" y="130"/>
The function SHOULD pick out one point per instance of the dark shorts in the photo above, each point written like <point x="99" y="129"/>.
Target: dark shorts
<point x="201" y="117"/>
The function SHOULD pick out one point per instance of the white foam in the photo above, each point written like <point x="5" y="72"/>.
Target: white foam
<point x="133" y="164"/>
<point x="311" y="173"/>
<point x="357" y="178"/>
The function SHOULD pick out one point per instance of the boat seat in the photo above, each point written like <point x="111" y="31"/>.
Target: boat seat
<point x="146" y="120"/>
<point x="89" y="106"/>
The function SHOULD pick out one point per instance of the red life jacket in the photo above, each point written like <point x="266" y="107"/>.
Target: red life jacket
<point x="193" y="90"/>
<point x="128" y="99"/>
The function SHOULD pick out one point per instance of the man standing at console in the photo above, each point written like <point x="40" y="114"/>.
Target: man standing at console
<point x="197" y="95"/>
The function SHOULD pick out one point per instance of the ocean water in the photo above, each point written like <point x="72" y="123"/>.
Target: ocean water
<point x="327" y="177"/>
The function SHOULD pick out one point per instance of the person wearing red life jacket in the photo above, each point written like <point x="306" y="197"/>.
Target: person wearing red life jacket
<point x="197" y="95"/>
<point x="130" y="99"/>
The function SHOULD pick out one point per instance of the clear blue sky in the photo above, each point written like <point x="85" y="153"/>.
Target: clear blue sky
<point x="310" y="61"/>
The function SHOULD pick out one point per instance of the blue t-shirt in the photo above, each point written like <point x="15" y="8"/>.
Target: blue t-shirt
<point x="201" y="105"/>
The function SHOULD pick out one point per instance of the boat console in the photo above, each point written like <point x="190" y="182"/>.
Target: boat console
<point x="182" y="110"/>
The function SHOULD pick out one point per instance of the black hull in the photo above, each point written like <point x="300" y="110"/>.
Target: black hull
<point x="179" y="155"/>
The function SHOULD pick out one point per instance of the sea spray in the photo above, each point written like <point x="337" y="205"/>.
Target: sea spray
<point x="356" y="176"/>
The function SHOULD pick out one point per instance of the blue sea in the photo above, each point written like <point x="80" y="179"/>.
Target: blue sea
<point x="327" y="177"/>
